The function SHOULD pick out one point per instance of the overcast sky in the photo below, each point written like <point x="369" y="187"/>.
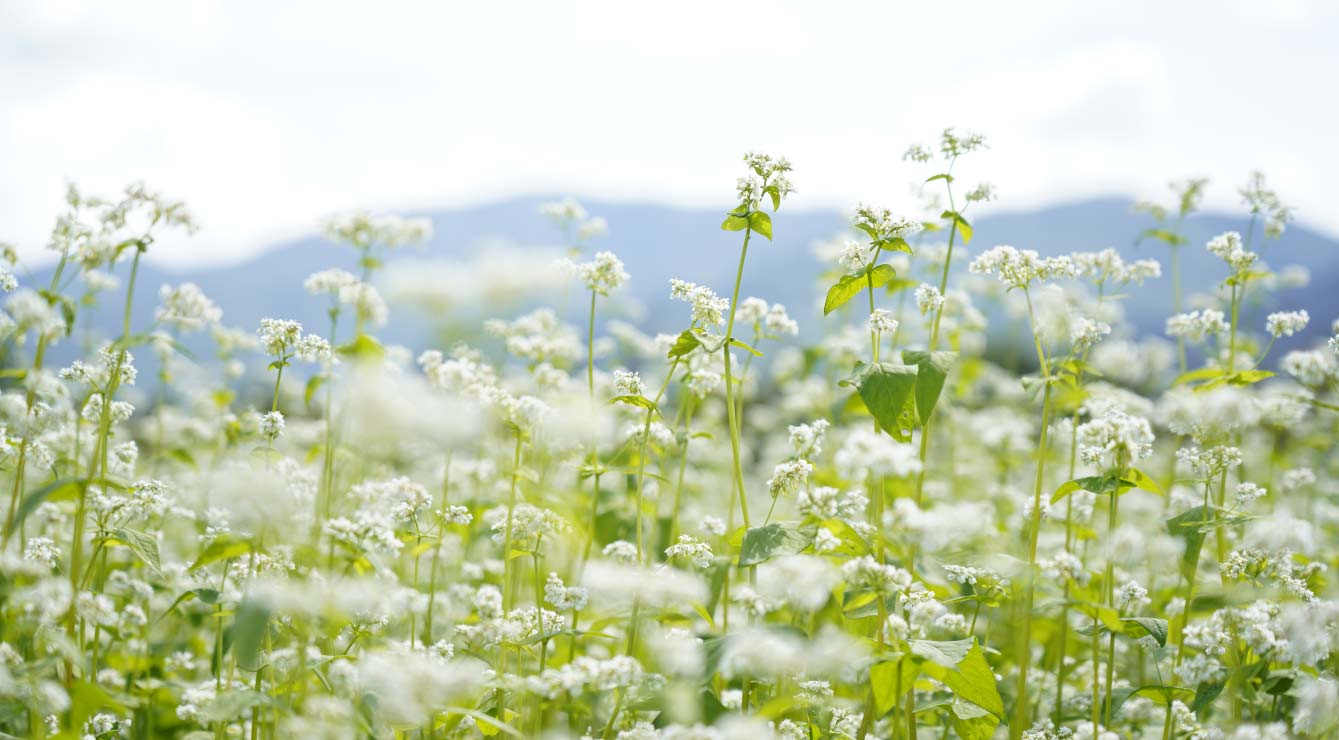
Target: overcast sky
<point x="266" y="116"/>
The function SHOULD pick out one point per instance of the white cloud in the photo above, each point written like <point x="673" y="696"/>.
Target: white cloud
<point x="267" y="116"/>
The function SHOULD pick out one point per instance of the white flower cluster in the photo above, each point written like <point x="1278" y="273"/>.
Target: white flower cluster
<point x="1196" y="325"/>
<point x="1116" y="438"/>
<point x="1286" y="323"/>
<point x="771" y="321"/>
<point x="601" y="275"/>
<point x="708" y="308"/>
<point x="1227" y="246"/>
<point x="1018" y="268"/>
<point x="187" y="307"/>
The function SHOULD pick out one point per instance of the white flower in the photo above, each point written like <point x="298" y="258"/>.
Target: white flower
<point x="880" y="320"/>
<point x="272" y="425"/>
<point x="1228" y="247"/>
<point x="1196" y="325"/>
<point x="186" y="307"/>
<point x="708" y="308"/>
<point x="603" y="274"/>
<point x="628" y="383"/>
<point x="928" y="298"/>
<point x="1019" y="268"/>
<point x="1286" y="323"/>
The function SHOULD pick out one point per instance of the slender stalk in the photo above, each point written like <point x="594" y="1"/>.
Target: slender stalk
<point x="733" y="419"/>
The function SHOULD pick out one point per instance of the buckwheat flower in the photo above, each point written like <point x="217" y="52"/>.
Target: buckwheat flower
<point x="1210" y="461"/>
<point x="866" y="453"/>
<point x="928" y="298"/>
<point x="1286" y="323"/>
<point x="712" y="525"/>
<point x="1131" y="596"/>
<point x="826" y="502"/>
<point x="825" y="541"/>
<point x="982" y="193"/>
<point x="751" y="310"/>
<point x="41" y="550"/>
<point x="690" y="550"/>
<point x="1228" y="247"/>
<point x="708" y="308"/>
<point x="1317" y="710"/>
<point x="602" y="274"/>
<point x="627" y="383"/>
<point x="789" y="477"/>
<point x="567" y="209"/>
<point x="1196" y="325"/>
<point x="802" y="582"/>
<point x="1017" y="268"/>
<point x="311" y="348"/>
<point x="1247" y="494"/>
<point x="868" y="573"/>
<point x="272" y="425"/>
<point x="1064" y="566"/>
<point x="778" y="323"/>
<point x="186" y="307"/>
<point x="952" y="144"/>
<point x="329" y="282"/>
<point x="621" y="551"/>
<point x="881" y="320"/>
<point x="881" y="225"/>
<point x="279" y="335"/>
<point x="807" y="439"/>
<point x="774" y="182"/>
<point x="855" y="255"/>
<point x="917" y="153"/>
<point x="364" y="230"/>
<point x="1296" y="478"/>
<point x="564" y="598"/>
<point x="1087" y="332"/>
<point x="1312" y="368"/>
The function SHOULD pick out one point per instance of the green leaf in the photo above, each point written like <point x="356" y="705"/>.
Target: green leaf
<point x="962" y="666"/>
<point x="1249" y="377"/>
<point x="734" y="222"/>
<point x="362" y="347"/>
<point x="1188" y="525"/>
<point x="1142" y="481"/>
<point x="849" y="286"/>
<point x="883" y="679"/>
<point x="223" y="548"/>
<point x="946" y="177"/>
<point x="761" y="223"/>
<point x="1204" y="373"/>
<point x="1159" y="694"/>
<point x="745" y="347"/>
<point x="685" y="344"/>
<point x="963" y="227"/>
<point x="931" y="371"/>
<point x="144" y="545"/>
<point x="1137" y="627"/>
<point x="313" y="383"/>
<point x="639" y="401"/>
<point x="885" y="388"/>
<point x="764" y="543"/>
<point x="248" y="631"/>
<point x="61" y="489"/>
<point x="972" y="722"/>
<point x="1205" y="693"/>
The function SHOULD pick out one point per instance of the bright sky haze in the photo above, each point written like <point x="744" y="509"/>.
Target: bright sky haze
<point x="267" y="116"/>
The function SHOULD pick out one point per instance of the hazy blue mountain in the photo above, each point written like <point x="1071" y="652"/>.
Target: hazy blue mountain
<point x="658" y="243"/>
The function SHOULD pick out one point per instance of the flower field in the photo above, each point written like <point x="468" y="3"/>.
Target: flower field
<point x="549" y="529"/>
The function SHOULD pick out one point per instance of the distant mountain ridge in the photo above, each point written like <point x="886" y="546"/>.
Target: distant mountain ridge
<point x="657" y="243"/>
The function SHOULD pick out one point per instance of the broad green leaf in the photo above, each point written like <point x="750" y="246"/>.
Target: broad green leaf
<point x="685" y="344"/>
<point x="1205" y="693"/>
<point x="971" y="722"/>
<point x="61" y="489"/>
<point x="1188" y="526"/>
<point x="745" y="347"/>
<point x="248" y="633"/>
<point x="1204" y="373"/>
<point x="764" y="543"/>
<point x="849" y="286"/>
<point x="638" y="401"/>
<point x="885" y="388"/>
<point x="968" y="674"/>
<point x="734" y="222"/>
<point x="883" y="679"/>
<point x="142" y="544"/>
<point x="223" y="548"/>
<point x="362" y="347"/>
<point x="761" y="223"/>
<point x="960" y="223"/>
<point x="1143" y="481"/>
<point x="931" y="371"/>
<point x="1137" y="627"/>
<point x="313" y="383"/>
